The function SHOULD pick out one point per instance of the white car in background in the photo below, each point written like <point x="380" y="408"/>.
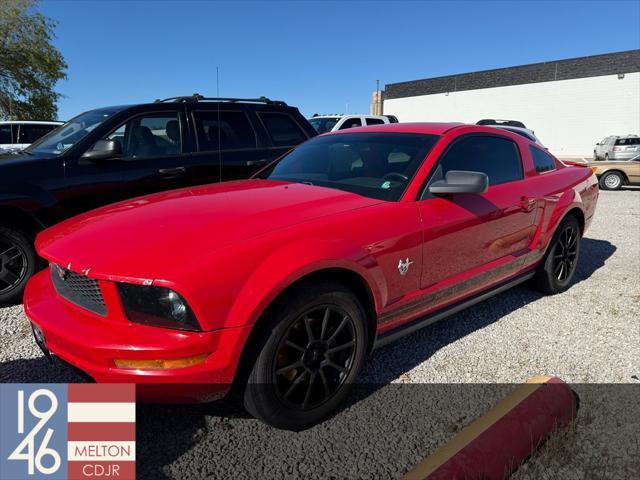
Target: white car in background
<point x="18" y="135"/>
<point x="332" y="123"/>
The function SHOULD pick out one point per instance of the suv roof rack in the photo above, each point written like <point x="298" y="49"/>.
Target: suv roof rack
<point x="504" y="123"/>
<point x="196" y="97"/>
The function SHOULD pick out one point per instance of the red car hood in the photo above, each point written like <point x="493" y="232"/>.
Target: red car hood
<point x="139" y="238"/>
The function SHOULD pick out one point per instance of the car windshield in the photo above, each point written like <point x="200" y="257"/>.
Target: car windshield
<point x="377" y="165"/>
<point x="66" y="136"/>
<point x="323" y="125"/>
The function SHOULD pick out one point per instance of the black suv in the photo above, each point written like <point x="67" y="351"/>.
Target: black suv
<point x="114" y="153"/>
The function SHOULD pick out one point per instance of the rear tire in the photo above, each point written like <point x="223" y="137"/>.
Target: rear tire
<point x="611" y="181"/>
<point x="309" y="358"/>
<point x="555" y="273"/>
<point x="18" y="262"/>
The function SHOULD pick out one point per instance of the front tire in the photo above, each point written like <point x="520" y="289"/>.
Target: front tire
<point x="312" y="355"/>
<point x="18" y="262"/>
<point x="555" y="273"/>
<point x="611" y="181"/>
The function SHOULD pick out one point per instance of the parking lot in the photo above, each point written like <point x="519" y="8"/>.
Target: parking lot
<point x="589" y="334"/>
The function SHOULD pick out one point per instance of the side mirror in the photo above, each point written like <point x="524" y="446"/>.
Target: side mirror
<point x="597" y="144"/>
<point x="461" y="181"/>
<point x="103" y="150"/>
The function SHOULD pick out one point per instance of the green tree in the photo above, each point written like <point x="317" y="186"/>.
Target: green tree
<point x="30" y="65"/>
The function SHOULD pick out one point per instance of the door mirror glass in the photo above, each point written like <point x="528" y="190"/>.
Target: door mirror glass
<point x="104" y="150"/>
<point x="461" y="181"/>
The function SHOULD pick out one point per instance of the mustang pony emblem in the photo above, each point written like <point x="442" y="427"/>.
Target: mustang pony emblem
<point x="403" y="267"/>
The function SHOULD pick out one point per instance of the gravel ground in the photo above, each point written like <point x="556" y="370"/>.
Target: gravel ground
<point x="587" y="335"/>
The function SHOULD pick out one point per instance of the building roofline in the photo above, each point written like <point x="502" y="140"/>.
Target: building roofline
<point x="566" y="69"/>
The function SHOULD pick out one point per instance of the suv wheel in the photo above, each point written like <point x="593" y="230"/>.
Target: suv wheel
<point x="310" y="358"/>
<point x="18" y="262"/>
<point x="556" y="271"/>
<point x="611" y="181"/>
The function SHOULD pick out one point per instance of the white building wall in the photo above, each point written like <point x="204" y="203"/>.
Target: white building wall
<point x="569" y="116"/>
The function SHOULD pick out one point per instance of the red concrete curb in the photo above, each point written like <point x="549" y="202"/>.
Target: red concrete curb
<point x="498" y="442"/>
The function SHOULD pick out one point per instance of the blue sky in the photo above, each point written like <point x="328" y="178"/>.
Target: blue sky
<point x="319" y="56"/>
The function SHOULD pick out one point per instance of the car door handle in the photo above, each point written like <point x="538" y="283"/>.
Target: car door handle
<point x="172" y="172"/>
<point x="257" y="163"/>
<point x="527" y="204"/>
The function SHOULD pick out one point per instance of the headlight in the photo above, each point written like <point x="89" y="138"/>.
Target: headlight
<point x="157" y="306"/>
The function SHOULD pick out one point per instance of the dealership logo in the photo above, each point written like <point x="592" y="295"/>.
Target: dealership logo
<point x="62" y="432"/>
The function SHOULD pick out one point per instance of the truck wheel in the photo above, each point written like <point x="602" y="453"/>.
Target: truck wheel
<point x="611" y="181"/>
<point x="556" y="271"/>
<point x="18" y="261"/>
<point x="314" y="350"/>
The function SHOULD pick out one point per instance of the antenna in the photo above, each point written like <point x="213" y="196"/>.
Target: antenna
<point x="219" y="126"/>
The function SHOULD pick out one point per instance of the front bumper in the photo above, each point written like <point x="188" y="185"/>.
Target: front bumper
<point x="90" y="343"/>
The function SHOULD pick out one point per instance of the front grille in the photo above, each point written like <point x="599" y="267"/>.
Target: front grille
<point x="79" y="289"/>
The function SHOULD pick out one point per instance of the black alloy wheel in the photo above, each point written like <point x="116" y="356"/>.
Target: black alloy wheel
<point x="305" y="356"/>
<point x="13" y="265"/>
<point x="18" y="262"/>
<point x="314" y="357"/>
<point x="558" y="267"/>
<point x="565" y="253"/>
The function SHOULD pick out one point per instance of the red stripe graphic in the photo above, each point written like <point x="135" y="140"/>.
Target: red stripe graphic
<point x="124" y="432"/>
<point x="102" y="392"/>
<point x="93" y="470"/>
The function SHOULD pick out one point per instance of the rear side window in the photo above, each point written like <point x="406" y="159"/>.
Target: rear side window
<point x="284" y="131"/>
<point x="498" y="157"/>
<point x="5" y="134"/>
<point x="351" y="123"/>
<point x="628" y="141"/>
<point x="542" y="160"/>
<point x="31" y="133"/>
<point x="375" y="121"/>
<point x="224" y="131"/>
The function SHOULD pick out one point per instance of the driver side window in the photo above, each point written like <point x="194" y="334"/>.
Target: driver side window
<point x="497" y="157"/>
<point x="149" y="136"/>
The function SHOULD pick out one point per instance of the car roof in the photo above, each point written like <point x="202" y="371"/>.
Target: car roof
<point x="426" y="128"/>
<point x="355" y="115"/>
<point x="33" y="122"/>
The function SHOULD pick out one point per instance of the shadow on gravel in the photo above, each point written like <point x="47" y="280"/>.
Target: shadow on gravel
<point x="593" y="255"/>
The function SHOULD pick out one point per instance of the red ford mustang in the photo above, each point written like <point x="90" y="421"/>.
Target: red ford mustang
<point x="281" y="285"/>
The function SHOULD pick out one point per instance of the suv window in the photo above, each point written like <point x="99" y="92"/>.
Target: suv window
<point x="31" y="133"/>
<point x="284" y="131"/>
<point x="628" y="141"/>
<point x="350" y="123"/>
<point x="223" y="130"/>
<point x="149" y="136"/>
<point x="375" y="121"/>
<point x="5" y="134"/>
<point x="323" y="125"/>
<point x="542" y="160"/>
<point x="498" y="157"/>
